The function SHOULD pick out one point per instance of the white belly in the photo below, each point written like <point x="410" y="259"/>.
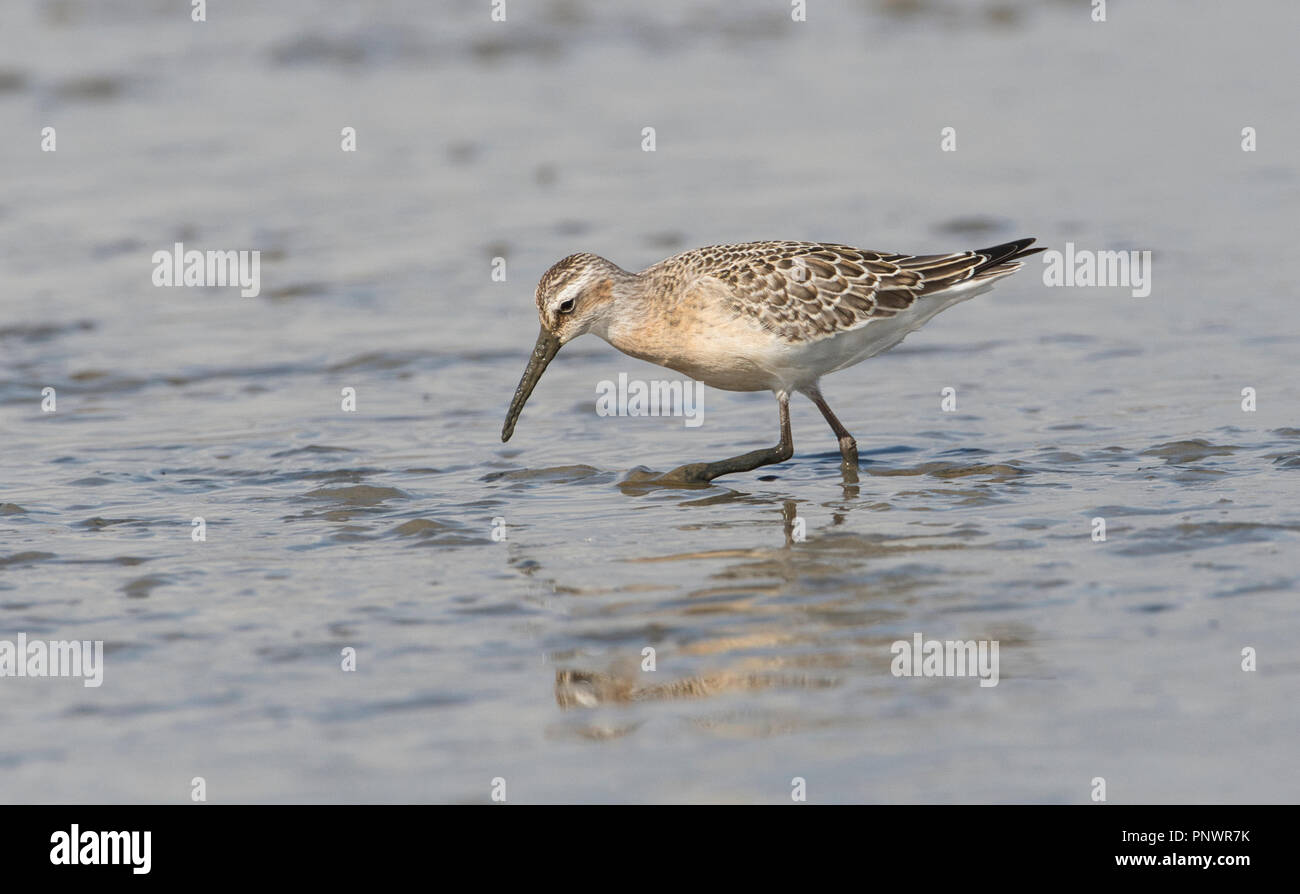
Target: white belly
<point x="802" y="364"/>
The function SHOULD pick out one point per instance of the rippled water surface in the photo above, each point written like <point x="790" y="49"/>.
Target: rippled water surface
<point x="770" y="598"/>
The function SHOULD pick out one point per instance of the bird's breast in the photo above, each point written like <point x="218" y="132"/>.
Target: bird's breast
<point x="695" y="332"/>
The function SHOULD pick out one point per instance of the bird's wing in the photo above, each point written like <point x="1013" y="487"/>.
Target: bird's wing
<point x="806" y="291"/>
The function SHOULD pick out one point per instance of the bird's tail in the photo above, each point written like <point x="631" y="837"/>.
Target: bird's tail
<point x="1003" y="259"/>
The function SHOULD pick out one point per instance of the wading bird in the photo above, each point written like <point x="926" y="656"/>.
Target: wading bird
<point x="757" y="316"/>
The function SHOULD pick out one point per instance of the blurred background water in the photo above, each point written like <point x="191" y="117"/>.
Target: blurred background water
<point x="521" y="658"/>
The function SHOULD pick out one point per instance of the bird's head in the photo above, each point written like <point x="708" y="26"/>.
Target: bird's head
<point x="575" y="294"/>
<point x="573" y="297"/>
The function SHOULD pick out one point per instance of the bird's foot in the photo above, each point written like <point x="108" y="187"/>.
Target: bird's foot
<point x="849" y="452"/>
<point x="689" y="475"/>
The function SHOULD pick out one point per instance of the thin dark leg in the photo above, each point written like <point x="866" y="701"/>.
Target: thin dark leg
<point x="746" y="462"/>
<point x="848" y="446"/>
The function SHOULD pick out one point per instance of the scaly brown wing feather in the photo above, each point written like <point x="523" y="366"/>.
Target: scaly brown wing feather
<point x="805" y="291"/>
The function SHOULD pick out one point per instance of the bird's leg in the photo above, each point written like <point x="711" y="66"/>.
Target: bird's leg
<point x="702" y="472"/>
<point x="848" y="446"/>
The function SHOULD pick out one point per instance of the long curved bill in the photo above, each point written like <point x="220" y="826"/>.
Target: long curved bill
<point x="543" y="352"/>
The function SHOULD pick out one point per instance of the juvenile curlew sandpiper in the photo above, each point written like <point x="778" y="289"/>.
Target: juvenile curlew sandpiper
<point x="757" y="316"/>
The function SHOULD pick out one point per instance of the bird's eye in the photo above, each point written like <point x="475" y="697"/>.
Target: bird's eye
<point x="566" y="306"/>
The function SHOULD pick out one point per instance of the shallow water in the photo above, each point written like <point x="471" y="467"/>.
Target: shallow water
<point x="521" y="658"/>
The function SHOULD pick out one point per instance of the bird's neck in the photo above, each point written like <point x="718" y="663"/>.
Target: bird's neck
<point x="639" y="322"/>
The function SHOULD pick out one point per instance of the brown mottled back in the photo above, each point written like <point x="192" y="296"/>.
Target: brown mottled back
<point x="805" y="291"/>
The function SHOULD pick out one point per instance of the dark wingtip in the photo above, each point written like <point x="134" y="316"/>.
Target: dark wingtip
<point x="1008" y="251"/>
